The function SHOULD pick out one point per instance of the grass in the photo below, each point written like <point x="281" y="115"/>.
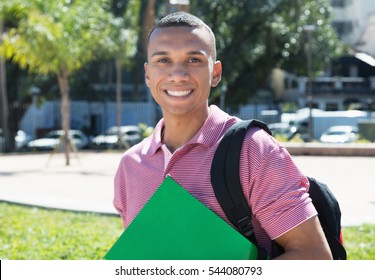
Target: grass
<point x="30" y="233"/>
<point x="360" y="242"/>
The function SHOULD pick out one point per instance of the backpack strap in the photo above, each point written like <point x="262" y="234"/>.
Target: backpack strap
<point x="225" y="177"/>
<point x="227" y="187"/>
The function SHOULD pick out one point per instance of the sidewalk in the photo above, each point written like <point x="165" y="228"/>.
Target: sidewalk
<point x="87" y="184"/>
<point x="39" y="179"/>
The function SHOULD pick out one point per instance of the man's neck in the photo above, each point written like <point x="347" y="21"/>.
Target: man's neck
<point x="178" y="131"/>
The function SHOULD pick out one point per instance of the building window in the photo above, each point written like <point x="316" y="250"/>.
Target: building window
<point x="332" y="107"/>
<point x="343" y="27"/>
<point x="340" y="3"/>
<point x="353" y="71"/>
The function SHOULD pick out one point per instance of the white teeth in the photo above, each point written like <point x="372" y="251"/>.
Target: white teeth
<point x="178" y="93"/>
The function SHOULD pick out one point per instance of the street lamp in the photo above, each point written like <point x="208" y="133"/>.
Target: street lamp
<point x="179" y="5"/>
<point x="309" y="29"/>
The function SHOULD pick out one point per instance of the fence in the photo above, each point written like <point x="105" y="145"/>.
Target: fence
<point x="91" y="117"/>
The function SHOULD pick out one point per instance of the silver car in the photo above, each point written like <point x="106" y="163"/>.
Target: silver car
<point x="52" y="139"/>
<point x="130" y="135"/>
<point x="340" y="134"/>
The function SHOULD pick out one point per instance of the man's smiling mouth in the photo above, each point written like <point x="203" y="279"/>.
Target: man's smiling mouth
<point x="178" y="93"/>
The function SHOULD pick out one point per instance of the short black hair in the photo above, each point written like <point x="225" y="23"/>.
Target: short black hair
<point x="180" y="19"/>
<point x="184" y="19"/>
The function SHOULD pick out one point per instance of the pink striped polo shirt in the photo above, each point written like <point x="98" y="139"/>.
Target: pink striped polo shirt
<point x="275" y="187"/>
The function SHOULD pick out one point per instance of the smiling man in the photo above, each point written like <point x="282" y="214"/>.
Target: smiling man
<point x="180" y="71"/>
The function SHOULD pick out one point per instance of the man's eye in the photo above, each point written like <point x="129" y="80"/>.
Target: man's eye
<point x="194" y="60"/>
<point x="163" y="60"/>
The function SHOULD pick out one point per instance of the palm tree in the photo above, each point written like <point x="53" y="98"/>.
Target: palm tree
<point x="59" y="37"/>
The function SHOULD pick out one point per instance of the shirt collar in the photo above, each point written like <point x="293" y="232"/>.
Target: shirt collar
<point x="208" y="134"/>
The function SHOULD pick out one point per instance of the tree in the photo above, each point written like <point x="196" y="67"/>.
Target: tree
<point x="149" y="18"/>
<point x="4" y="98"/>
<point x="6" y="9"/>
<point x="59" y="37"/>
<point x="255" y="36"/>
<point x="124" y="34"/>
<point x="17" y="86"/>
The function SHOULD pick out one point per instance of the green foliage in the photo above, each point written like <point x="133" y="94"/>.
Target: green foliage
<point x="252" y="37"/>
<point x="146" y="130"/>
<point x="39" y="234"/>
<point x="288" y="107"/>
<point x="11" y="11"/>
<point x="282" y="138"/>
<point x="255" y="36"/>
<point x="124" y="32"/>
<point x="30" y="233"/>
<point x="57" y="36"/>
<point x="362" y="140"/>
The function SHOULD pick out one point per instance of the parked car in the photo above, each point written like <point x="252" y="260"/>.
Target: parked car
<point x="52" y="139"/>
<point x="340" y="134"/>
<point x="130" y="134"/>
<point x="283" y="129"/>
<point x="22" y="139"/>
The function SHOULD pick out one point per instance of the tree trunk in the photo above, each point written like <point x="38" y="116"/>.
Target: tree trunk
<point x="148" y="22"/>
<point x="118" y="100"/>
<point x="118" y="92"/>
<point x="65" y="113"/>
<point x="4" y="99"/>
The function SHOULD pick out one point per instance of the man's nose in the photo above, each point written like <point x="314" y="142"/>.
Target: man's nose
<point x="178" y="73"/>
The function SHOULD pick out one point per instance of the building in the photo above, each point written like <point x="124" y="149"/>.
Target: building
<point x="351" y="81"/>
<point x="351" y="19"/>
<point x="367" y="41"/>
<point x="351" y="85"/>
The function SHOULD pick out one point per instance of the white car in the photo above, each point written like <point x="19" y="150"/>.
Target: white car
<point x="340" y="134"/>
<point x="21" y="140"/>
<point x="131" y="134"/>
<point x="52" y="139"/>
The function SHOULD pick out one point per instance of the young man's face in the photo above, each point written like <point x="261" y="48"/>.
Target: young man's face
<point x="181" y="69"/>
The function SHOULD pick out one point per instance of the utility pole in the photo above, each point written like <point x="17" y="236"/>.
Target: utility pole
<point x="309" y="29"/>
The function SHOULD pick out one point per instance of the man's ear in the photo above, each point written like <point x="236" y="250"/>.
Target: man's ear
<point x="147" y="78"/>
<point x="217" y="72"/>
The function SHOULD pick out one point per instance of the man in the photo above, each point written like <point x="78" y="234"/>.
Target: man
<point x="180" y="70"/>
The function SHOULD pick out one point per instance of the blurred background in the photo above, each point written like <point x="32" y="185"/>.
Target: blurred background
<point x="72" y="78"/>
<point x="71" y="72"/>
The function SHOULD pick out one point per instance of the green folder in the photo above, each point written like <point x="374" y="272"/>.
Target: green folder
<point x="174" y="225"/>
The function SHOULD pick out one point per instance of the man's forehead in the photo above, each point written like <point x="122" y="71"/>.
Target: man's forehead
<point x="170" y="33"/>
<point x="178" y="36"/>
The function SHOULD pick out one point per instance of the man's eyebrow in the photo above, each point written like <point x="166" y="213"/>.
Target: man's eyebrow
<point x="161" y="53"/>
<point x="200" y="52"/>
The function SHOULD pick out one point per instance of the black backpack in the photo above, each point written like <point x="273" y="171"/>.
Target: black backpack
<point x="228" y="191"/>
